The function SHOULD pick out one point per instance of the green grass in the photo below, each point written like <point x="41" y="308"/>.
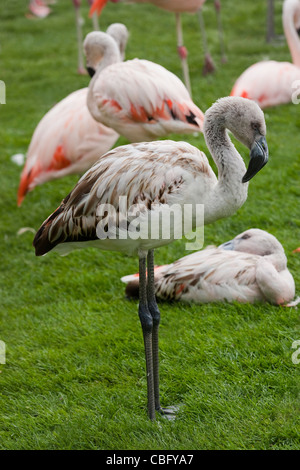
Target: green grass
<point x="74" y="376"/>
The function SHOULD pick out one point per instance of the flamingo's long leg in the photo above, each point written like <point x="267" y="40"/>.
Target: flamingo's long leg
<point x="209" y="65"/>
<point x="147" y="327"/>
<point x="95" y="20"/>
<point x="169" y="412"/>
<point x="220" y="30"/>
<point x="78" y="19"/>
<point x="270" y="21"/>
<point x="182" y="52"/>
<point x="155" y="313"/>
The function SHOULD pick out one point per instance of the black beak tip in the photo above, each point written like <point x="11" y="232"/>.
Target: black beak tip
<point x="91" y="71"/>
<point x="258" y="159"/>
<point x="246" y="178"/>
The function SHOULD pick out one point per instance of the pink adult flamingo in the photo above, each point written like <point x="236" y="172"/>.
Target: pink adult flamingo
<point x="68" y="140"/>
<point x="39" y="8"/>
<point x="140" y="99"/>
<point x="119" y="204"/>
<point x="269" y="82"/>
<point x="178" y="7"/>
<point x="250" y="268"/>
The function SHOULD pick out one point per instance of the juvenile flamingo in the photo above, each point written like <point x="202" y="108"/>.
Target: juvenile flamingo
<point x="250" y="268"/>
<point x="269" y="82"/>
<point x="120" y="202"/>
<point x="141" y="100"/>
<point x="178" y="7"/>
<point x="68" y="140"/>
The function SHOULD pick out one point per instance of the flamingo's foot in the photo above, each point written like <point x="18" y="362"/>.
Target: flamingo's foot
<point x="224" y="59"/>
<point x="170" y="412"/>
<point x="209" y="66"/>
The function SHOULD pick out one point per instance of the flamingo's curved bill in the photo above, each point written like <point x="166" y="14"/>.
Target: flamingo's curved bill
<point x="259" y="156"/>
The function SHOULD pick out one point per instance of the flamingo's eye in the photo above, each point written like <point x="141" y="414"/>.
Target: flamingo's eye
<point x="245" y="237"/>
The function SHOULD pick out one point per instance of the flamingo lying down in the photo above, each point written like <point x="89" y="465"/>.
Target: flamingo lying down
<point x="251" y="267"/>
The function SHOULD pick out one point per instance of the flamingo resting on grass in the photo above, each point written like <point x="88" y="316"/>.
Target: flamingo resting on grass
<point x="178" y="7"/>
<point x="250" y="268"/>
<point x="269" y="82"/>
<point x="68" y="140"/>
<point x="120" y="203"/>
<point x="141" y="100"/>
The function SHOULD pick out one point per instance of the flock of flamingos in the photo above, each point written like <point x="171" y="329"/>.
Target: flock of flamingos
<point x="143" y="101"/>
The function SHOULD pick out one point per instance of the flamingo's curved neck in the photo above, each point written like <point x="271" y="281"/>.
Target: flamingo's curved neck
<point x="278" y="260"/>
<point x="111" y="56"/>
<point x="229" y="194"/>
<point x="290" y="32"/>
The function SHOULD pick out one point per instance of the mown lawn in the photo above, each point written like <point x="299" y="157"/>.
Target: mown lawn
<point x="74" y="376"/>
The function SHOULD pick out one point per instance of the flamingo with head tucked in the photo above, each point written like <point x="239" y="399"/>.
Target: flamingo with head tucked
<point x="68" y="140"/>
<point x="122" y="201"/>
<point x="178" y="7"/>
<point x="250" y="268"/>
<point x="269" y="82"/>
<point x="140" y="99"/>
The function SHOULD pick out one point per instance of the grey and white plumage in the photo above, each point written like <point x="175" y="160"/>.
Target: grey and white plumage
<point x="250" y="268"/>
<point x="154" y="176"/>
<point x="157" y="175"/>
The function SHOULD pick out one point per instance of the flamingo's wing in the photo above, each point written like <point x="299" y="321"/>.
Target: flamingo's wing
<point x="142" y="92"/>
<point x="67" y="140"/>
<point x="151" y="176"/>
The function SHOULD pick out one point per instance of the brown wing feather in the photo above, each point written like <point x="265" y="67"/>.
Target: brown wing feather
<point x="146" y="173"/>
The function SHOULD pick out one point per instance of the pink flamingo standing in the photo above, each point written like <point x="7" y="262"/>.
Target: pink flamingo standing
<point x="269" y="82"/>
<point x="178" y="7"/>
<point x="68" y="140"/>
<point x="140" y="99"/>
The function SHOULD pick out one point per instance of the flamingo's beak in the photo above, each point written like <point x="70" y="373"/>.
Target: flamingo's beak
<point x="228" y="245"/>
<point x="91" y="71"/>
<point x="259" y="156"/>
<point x="97" y="6"/>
